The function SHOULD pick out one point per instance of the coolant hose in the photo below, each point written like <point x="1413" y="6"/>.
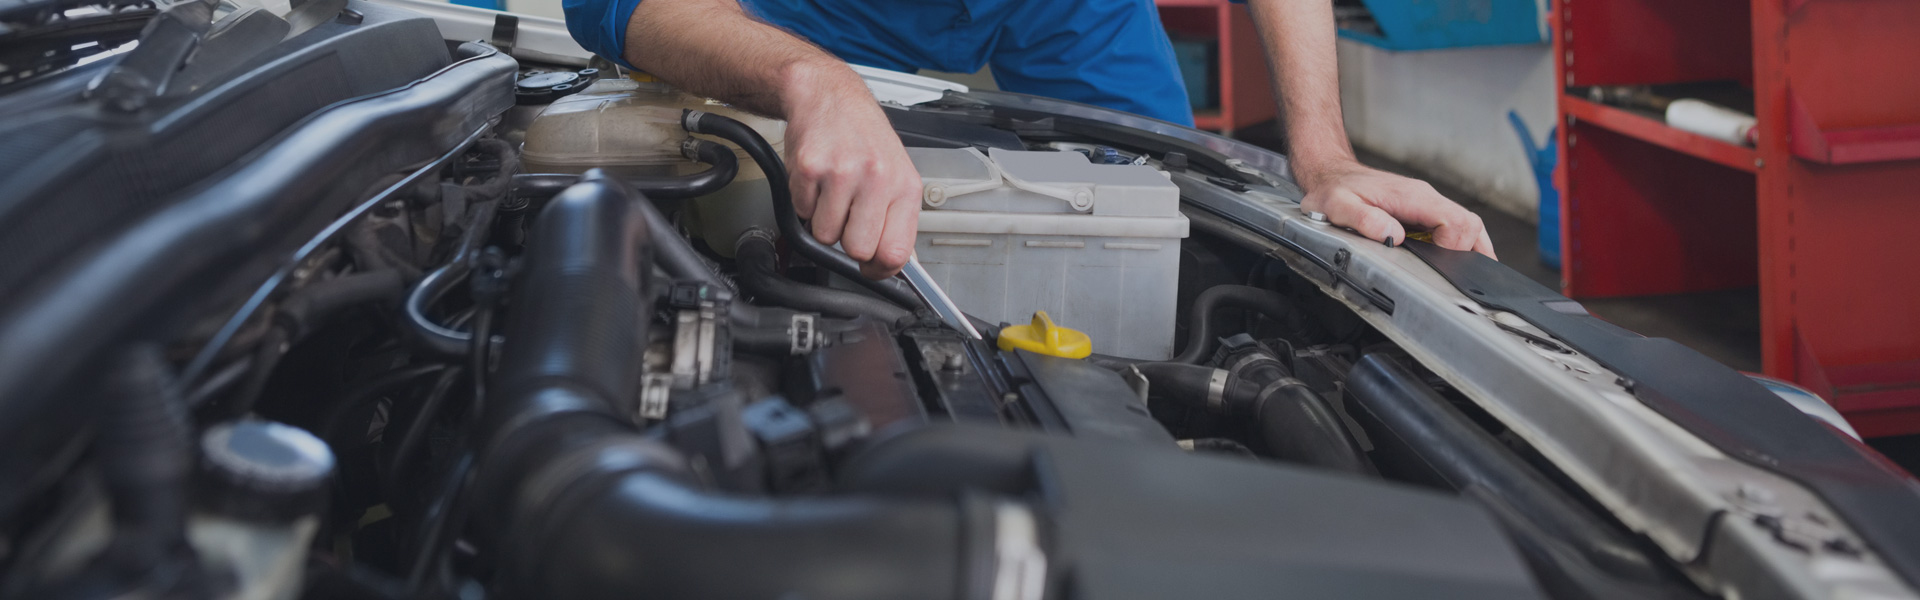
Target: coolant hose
<point x="784" y="214"/>
<point x="1200" y="336"/>
<point x="755" y="255"/>
<point x="722" y="167"/>
<point x="1472" y="461"/>
<point x="581" y="505"/>
<point x="1297" y="423"/>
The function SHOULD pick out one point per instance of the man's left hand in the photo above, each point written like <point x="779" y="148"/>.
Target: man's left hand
<point x="1375" y="203"/>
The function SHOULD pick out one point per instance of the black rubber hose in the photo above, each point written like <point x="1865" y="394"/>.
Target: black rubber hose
<point x="304" y="311"/>
<point x="581" y="505"/>
<point x="1201" y="338"/>
<point x="785" y="217"/>
<point x="769" y="341"/>
<point x="674" y="254"/>
<point x="756" y="259"/>
<point x="145" y="453"/>
<point x="722" y="167"/>
<point x="1300" y="425"/>
<point x="1472" y="461"/>
<point x="654" y="537"/>
<point x="309" y="307"/>
<point x="1297" y="424"/>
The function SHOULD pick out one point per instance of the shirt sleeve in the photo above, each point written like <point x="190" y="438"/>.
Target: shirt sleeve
<point x="600" y="26"/>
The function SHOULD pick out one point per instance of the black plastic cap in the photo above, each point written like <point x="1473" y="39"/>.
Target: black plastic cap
<point x="264" y="471"/>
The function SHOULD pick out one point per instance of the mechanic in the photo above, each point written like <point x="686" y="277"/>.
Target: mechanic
<point x="851" y="176"/>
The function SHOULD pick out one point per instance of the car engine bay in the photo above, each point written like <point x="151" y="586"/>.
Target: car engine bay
<point x="452" y="324"/>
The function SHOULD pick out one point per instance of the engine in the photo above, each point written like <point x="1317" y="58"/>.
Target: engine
<point x="550" y="364"/>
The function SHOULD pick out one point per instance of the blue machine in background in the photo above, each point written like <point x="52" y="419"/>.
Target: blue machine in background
<point x="1431" y="24"/>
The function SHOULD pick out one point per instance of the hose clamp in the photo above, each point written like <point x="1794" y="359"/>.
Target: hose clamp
<point x="754" y="233"/>
<point x="1280" y="384"/>
<point x="1217" y="390"/>
<point x="690" y="119"/>
<point x="690" y="149"/>
<point x="802" y="334"/>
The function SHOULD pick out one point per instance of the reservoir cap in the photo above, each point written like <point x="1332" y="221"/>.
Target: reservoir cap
<point x="264" y="470"/>
<point x="1043" y="337"/>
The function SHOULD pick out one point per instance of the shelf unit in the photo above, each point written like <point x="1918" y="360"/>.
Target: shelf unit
<point x="1839" y="199"/>
<point x="1246" y="94"/>
<point x="1818" y="215"/>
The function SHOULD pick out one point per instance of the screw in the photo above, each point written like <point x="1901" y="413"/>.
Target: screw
<point x="1756" y="494"/>
<point x="1317" y="216"/>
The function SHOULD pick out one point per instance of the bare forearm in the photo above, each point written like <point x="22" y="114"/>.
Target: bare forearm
<point x="1299" y="40"/>
<point x="713" y="48"/>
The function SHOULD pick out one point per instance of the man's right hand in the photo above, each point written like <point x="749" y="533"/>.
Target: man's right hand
<point x="847" y="169"/>
<point x="849" y="174"/>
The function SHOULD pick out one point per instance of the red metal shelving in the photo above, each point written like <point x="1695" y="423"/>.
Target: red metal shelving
<point x="1840" y="281"/>
<point x="1653" y="131"/>
<point x="1820" y="215"/>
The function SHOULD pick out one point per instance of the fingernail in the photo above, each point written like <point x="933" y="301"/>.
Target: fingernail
<point x="1389" y="241"/>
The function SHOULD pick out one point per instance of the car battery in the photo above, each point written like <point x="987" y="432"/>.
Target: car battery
<point x="1097" y="246"/>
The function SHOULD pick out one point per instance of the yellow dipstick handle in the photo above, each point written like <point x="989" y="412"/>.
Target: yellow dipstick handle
<point x="1044" y="337"/>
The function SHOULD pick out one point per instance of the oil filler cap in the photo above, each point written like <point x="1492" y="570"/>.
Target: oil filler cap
<point x="261" y="470"/>
<point x="1043" y="337"/>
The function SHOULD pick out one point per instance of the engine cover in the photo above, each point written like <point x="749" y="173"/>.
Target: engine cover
<point x="1134" y="521"/>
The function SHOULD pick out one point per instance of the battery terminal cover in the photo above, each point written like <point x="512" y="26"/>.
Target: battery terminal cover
<point x="1042" y="336"/>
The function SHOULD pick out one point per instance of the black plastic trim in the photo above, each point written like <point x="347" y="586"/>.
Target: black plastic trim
<point x="1715" y="402"/>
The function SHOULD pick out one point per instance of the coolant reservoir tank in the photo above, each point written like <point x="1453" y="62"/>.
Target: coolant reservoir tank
<point x="633" y="129"/>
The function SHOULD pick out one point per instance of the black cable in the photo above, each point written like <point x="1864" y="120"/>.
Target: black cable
<point x="723" y="167"/>
<point x="369" y="392"/>
<point x="220" y="381"/>
<point x="422" y="421"/>
<point x="444" y="518"/>
<point x="477" y="356"/>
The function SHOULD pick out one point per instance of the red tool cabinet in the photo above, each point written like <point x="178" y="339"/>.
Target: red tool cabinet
<point x="1819" y="215"/>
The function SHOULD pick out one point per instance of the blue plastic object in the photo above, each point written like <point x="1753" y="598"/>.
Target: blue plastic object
<point x="490" y="4"/>
<point x="1543" y="160"/>
<point x="1198" y="60"/>
<point x="1430" y="24"/>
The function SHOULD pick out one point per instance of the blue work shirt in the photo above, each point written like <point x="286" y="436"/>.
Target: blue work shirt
<point x="1110" y="53"/>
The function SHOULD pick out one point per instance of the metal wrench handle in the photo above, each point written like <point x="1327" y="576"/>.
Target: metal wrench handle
<point x="936" y="297"/>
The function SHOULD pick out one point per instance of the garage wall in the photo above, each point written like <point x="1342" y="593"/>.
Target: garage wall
<point x="1444" y="112"/>
<point x="539" y="8"/>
